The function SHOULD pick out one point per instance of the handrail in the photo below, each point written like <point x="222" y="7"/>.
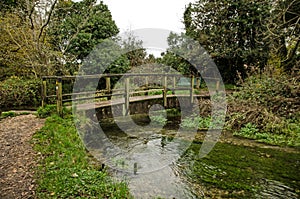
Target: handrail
<point x="107" y="92"/>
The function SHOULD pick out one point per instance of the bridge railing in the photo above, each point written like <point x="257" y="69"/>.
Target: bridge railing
<point x="165" y="83"/>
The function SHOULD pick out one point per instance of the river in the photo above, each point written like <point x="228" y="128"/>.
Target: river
<point x="157" y="164"/>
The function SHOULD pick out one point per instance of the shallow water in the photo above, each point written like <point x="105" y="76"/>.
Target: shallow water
<point x="156" y="163"/>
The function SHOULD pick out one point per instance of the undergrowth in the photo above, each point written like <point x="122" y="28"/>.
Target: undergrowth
<point x="270" y="105"/>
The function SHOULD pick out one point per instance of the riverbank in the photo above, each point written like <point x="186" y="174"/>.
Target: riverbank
<point x="66" y="170"/>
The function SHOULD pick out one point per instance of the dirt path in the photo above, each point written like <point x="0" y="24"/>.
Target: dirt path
<point x="17" y="158"/>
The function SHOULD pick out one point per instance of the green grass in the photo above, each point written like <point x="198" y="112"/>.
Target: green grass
<point x="12" y="114"/>
<point x="65" y="171"/>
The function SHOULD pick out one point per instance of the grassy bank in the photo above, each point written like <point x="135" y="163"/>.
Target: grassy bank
<point x="65" y="170"/>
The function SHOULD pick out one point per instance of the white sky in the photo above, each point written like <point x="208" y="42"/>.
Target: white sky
<point x="136" y="14"/>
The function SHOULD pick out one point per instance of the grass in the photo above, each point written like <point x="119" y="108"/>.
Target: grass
<point x="12" y="114"/>
<point x="65" y="171"/>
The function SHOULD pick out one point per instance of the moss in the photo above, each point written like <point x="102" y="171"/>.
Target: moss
<point x="239" y="169"/>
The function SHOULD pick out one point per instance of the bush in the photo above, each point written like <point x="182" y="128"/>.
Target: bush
<point x="51" y="109"/>
<point x="20" y="92"/>
<point x="267" y="109"/>
<point x="46" y="111"/>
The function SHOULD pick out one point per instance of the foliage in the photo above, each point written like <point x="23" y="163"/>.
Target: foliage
<point x="283" y="33"/>
<point x="248" y="131"/>
<point x="77" y="27"/>
<point x="19" y="92"/>
<point x="231" y="32"/>
<point x="7" y="114"/>
<point x="271" y="105"/>
<point x="196" y="121"/>
<point x="278" y="94"/>
<point x="288" y="134"/>
<point x="22" y="54"/>
<point x="65" y="170"/>
<point x="46" y="111"/>
<point x="160" y="119"/>
<point x="12" y="114"/>
<point x="136" y="53"/>
<point x="50" y="37"/>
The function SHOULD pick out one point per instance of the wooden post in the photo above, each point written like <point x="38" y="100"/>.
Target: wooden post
<point x="198" y="83"/>
<point x="192" y="89"/>
<point x="44" y="92"/>
<point x="174" y="84"/>
<point x="59" y="96"/>
<point x="147" y="81"/>
<point x="217" y="86"/>
<point x="165" y="86"/>
<point x="107" y="84"/>
<point x="127" y="96"/>
<point x="147" y="84"/>
<point x="135" y="168"/>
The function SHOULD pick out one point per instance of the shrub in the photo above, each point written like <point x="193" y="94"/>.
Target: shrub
<point x="267" y="109"/>
<point x="46" y="111"/>
<point x="51" y="109"/>
<point x="19" y="92"/>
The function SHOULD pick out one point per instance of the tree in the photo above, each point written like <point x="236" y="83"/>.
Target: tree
<point x="136" y="53"/>
<point x="77" y="27"/>
<point x="174" y="55"/>
<point x="283" y="32"/>
<point x="232" y="32"/>
<point x="25" y="49"/>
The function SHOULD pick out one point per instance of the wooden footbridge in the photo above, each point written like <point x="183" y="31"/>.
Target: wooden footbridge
<point x="110" y="92"/>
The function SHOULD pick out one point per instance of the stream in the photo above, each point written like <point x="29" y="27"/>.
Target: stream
<point x="158" y="164"/>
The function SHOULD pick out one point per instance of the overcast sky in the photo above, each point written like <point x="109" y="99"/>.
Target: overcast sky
<point x="136" y="14"/>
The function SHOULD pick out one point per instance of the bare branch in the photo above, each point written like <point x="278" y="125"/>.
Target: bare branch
<point x="48" y="20"/>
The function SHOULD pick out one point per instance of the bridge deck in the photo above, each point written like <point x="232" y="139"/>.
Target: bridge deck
<point x="120" y="101"/>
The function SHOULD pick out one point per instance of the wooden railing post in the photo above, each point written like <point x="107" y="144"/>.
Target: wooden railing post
<point x="146" y="81"/>
<point x="198" y="82"/>
<point x="59" y="95"/>
<point x="44" y="92"/>
<point x="146" y="84"/>
<point x="165" y="87"/>
<point x="174" y="84"/>
<point x="107" y="84"/>
<point x="217" y="85"/>
<point x="127" y="90"/>
<point x="192" y="89"/>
